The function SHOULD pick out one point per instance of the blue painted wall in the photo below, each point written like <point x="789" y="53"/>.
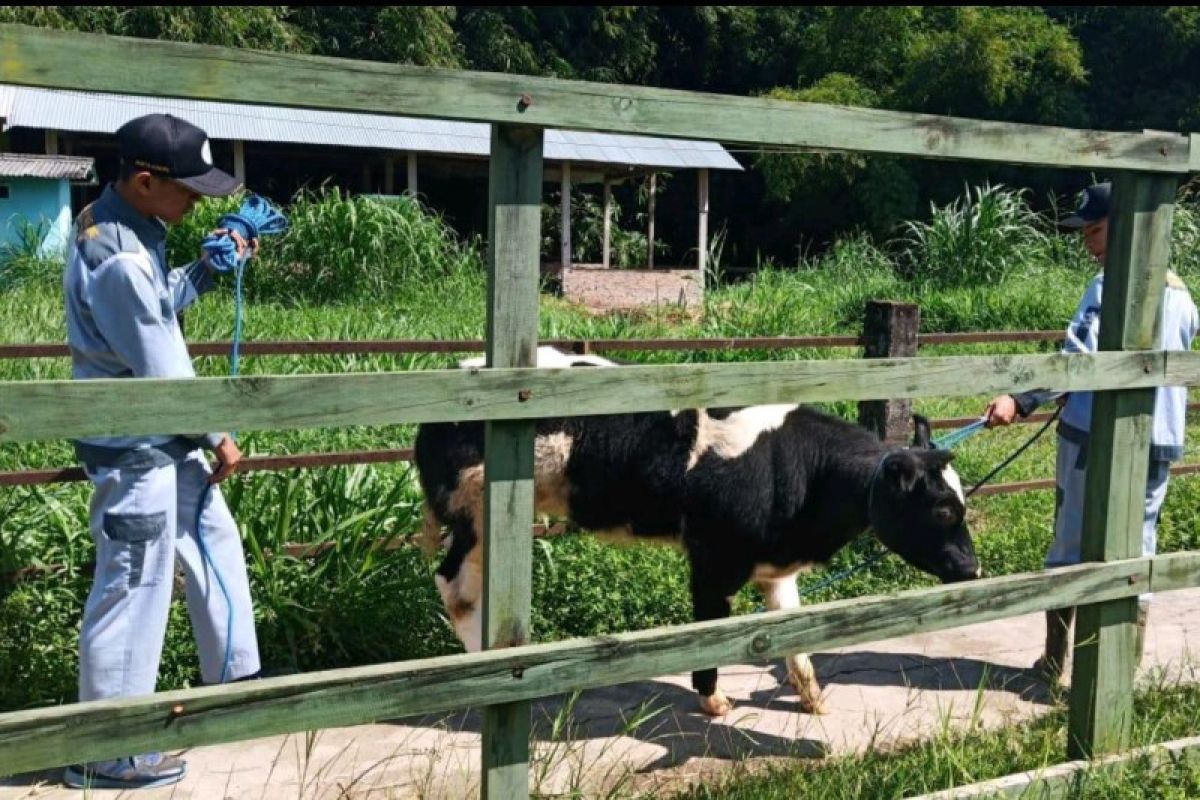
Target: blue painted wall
<point x="41" y="202"/>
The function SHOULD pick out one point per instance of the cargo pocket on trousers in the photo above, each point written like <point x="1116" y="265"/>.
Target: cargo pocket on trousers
<point x="141" y="543"/>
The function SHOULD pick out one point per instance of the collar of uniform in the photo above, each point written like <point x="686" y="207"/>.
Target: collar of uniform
<point x="111" y="206"/>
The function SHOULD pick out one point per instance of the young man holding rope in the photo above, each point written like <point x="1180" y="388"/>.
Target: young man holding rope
<point x="122" y="308"/>
<point x="1179" y="321"/>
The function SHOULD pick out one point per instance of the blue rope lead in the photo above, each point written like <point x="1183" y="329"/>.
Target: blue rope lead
<point x="955" y="438"/>
<point x="846" y="573"/>
<point x="206" y="557"/>
<point x="255" y="218"/>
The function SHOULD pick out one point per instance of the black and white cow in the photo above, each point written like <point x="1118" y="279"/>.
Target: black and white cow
<point x="752" y="494"/>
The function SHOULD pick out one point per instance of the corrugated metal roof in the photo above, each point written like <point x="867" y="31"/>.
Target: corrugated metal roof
<point x="93" y="112"/>
<point x="6" y="98"/>
<point x="26" y="165"/>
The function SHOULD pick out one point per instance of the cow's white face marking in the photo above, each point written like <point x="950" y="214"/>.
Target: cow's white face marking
<point x="461" y="595"/>
<point x="734" y="435"/>
<point x="954" y="482"/>
<point x="546" y="357"/>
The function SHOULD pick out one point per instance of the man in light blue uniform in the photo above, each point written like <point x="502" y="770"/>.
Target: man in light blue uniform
<point x="122" y="308"/>
<point x="1178" y="324"/>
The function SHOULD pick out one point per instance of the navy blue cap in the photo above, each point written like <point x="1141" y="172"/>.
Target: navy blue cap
<point x="173" y="148"/>
<point x="1093" y="206"/>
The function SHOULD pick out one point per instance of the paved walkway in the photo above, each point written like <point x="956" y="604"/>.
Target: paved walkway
<point x="639" y="736"/>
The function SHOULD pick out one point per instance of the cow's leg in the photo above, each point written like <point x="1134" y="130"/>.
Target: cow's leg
<point x="459" y="580"/>
<point x="713" y="585"/>
<point x="781" y="593"/>
<point x="459" y="577"/>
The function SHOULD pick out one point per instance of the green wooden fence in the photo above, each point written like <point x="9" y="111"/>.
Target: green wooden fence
<point x="510" y="394"/>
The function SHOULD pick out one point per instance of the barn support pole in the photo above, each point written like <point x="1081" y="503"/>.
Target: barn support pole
<point x="702" y="220"/>
<point x="650" y="221"/>
<point x="891" y="332"/>
<point x="565" y="211"/>
<point x="51" y="143"/>
<point x="412" y="174"/>
<point x="1139" y="243"/>
<point x="606" y="250"/>
<point x="514" y="246"/>
<point x="239" y="161"/>
<point x="389" y="175"/>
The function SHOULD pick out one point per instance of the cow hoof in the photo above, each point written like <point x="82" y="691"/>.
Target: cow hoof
<point x="716" y="704"/>
<point x="812" y="705"/>
<point x="809" y="692"/>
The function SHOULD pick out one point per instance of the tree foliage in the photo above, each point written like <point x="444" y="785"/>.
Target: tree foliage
<point x="1106" y="67"/>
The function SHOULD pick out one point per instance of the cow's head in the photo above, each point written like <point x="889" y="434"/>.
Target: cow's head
<point x="918" y="510"/>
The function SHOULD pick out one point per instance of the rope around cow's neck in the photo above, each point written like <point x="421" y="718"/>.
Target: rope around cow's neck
<point x="950" y="440"/>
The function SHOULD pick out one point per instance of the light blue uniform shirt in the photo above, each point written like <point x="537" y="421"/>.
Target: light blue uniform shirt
<point x="1178" y="322"/>
<point x="122" y="309"/>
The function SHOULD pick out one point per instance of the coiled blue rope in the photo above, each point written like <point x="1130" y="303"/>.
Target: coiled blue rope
<point x="254" y="219"/>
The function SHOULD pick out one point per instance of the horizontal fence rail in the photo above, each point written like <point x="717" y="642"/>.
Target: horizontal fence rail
<point x="303" y="550"/>
<point x="34" y="57"/>
<point x="37" y="477"/>
<point x="298" y="347"/>
<point x="37" y="739"/>
<point x="31" y="410"/>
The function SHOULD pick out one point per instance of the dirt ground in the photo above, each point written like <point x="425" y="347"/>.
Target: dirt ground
<point x="602" y="290"/>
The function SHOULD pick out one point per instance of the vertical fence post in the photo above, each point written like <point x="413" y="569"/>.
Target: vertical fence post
<point x="412" y="175"/>
<point x="389" y="175"/>
<point x="890" y="329"/>
<point x="1139" y="242"/>
<point x="565" y="212"/>
<point x="606" y="246"/>
<point x="239" y="160"/>
<point x="514" y="244"/>
<point x="702" y="225"/>
<point x="650" y="220"/>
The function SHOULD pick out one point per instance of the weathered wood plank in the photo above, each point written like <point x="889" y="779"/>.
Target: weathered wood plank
<point x="1175" y="571"/>
<point x="1066" y="780"/>
<point x="61" y="409"/>
<point x="514" y="237"/>
<point x="702" y="227"/>
<point x="49" y="737"/>
<point x="1139" y="244"/>
<point x="34" y="57"/>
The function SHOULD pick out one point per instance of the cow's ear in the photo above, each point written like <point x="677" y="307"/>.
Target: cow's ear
<point x="937" y="459"/>
<point x="900" y="471"/>
<point x="921" y="433"/>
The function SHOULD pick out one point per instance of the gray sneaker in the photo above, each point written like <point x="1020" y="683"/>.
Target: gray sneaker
<point x="135" y="772"/>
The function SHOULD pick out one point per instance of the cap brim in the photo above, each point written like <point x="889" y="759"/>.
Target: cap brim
<point x="1073" y="221"/>
<point x="214" y="183"/>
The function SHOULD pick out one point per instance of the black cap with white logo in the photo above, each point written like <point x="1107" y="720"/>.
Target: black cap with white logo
<point x="173" y="148"/>
<point x="1092" y="206"/>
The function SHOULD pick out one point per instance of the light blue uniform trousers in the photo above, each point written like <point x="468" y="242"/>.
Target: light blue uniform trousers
<point x="143" y="521"/>
<point x="1070" y="477"/>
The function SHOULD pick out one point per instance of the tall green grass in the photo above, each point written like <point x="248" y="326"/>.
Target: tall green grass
<point x="986" y="236"/>
<point x="343" y="248"/>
